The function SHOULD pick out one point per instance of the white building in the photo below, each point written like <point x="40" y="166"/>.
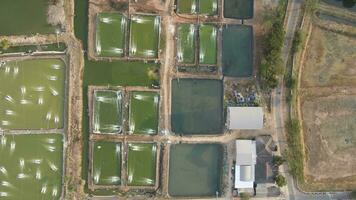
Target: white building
<point x="244" y="118"/>
<point x="245" y="164"/>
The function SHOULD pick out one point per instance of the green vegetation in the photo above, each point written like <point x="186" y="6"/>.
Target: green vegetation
<point x="278" y="160"/>
<point x="5" y="44"/>
<point x="244" y="196"/>
<point x="297" y="41"/>
<point x="280" y="180"/>
<point x="294" y="154"/>
<point x="311" y="5"/>
<point x="271" y="65"/>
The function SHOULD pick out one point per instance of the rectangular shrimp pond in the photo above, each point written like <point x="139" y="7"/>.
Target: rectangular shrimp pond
<point x="186" y="39"/>
<point x="107" y="163"/>
<point x="237" y="50"/>
<point x="143" y="112"/>
<point x="208" y="44"/>
<point x="141" y="164"/>
<point x="20" y="17"/>
<point x="197" y="106"/>
<point x="238" y="9"/>
<point x="107" y="111"/>
<point x="31" y="166"/>
<point x="144" y="36"/>
<point x="110" y="38"/>
<point x="195" y="170"/>
<point x="32" y="93"/>
<point x="204" y="7"/>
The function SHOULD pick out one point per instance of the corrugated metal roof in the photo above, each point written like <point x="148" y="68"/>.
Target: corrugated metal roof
<point x="245" y="118"/>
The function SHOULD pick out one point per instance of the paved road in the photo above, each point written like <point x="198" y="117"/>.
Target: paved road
<point x="281" y="112"/>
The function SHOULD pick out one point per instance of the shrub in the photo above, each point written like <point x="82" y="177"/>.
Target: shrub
<point x="280" y="180"/>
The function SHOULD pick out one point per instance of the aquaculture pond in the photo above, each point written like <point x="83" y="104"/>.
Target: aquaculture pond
<point x="107" y="111"/>
<point x="187" y="6"/>
<point x="143" y="114"/>
<point x="144" y="36"/>
<point x="59" y="47"/>
<point x="195" y="169"/>
<point x="347" y="4"/>
<point x="141" y="164"/>
<point x="110" y="38"/>
<point x="208" y="44"/>
<point x="31" y="166"/>
<point x="237" y="50"/>
<point x="197" y="106"/>
<point x="24" y="17"/>
<point x="36" y="97"/>
<point x="208" y="7"/>
<point x="186" y="38"/>
<point x="239" y="9"/>
<point x="107" y="163"/>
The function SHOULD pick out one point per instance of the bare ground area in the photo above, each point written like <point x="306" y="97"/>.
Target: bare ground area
<point x="328" y="108"/>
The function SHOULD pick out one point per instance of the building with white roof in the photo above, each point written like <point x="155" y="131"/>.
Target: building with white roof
<point x="244" y="118"/>
<point x="245" y="164"/>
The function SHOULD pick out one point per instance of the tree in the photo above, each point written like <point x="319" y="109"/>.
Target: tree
<point x="280" y="180"/>
<point x="5" y="44"/>
<point x="153" y="75"/>
<point x="278" y="160"/>
<point x="244" y="196"/>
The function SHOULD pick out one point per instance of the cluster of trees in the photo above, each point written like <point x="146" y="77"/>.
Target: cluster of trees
<point x="272" y="63"/>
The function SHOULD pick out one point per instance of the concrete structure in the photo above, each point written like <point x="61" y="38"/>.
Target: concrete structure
<point x="245" y="118"/>
<point x="245" y="164"/>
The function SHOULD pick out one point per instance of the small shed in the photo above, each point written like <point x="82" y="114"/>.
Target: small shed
<point x="244" y="118"/>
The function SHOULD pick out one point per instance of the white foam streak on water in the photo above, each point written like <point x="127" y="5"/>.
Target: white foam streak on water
<point x="3" y="170"/>
<point x="36" y="161"/>
<point x="9" y="98"/>
<point x="56" y="119"/>
<point x="52" y="166"/>
<point x="49" y="116"/>
<point x="44" y="188"/>
<point x="7" y="70"/>
<point x="25" y="102"/>
<point x="114" y="179"/>
<point x="39" y="89"/>
<point x="40" y="101"/>
<point x="107" y="20"/>
<point x="12" y="146"/>
<point x="5" y="123"/>
<point x="215" y="6"/>
<point x="97" y="176"/>
<point x="38" y="174"/>
<point x="3" y="140"/>
<point x="23" y="90"/>
<point x="133" y="48"/>
<point x="4" y="194"/>
<point x="193" y="8"/>
<point x="123" y="24"/>
<point x="51" y="148"/>
<point x="22" y="176"/>
<point x="54" y="192"/>
<point x="149" y="53"/>
<point x="9" y="112"/>
<point x="22" y="163"/>
<point x="52" y="78"/>
<point x="55" y="66"/>
<point x="54" y="92"/>
<point x="16" y="71"/>
<point x="51" y="140"/>
<point x="6" y="184"/>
